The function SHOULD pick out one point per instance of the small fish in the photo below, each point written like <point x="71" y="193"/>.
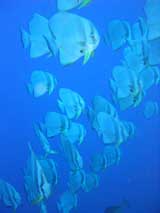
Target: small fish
<point x="118" y="208"/>
<point x="75" y="133"/>
<point x="36" y="184"/>
<point x="44" y="141"/>
<point x="152" y="15"/>
<point x="76" y="180"/>
<point x="151" y="109"/>
<point x="55" y="124"/>
<point x="34" y="39"/>
<point x="9" y="196"/>
<point x="72" y="154"/>
<point x="91" y="182"/>
<point x="67" y="202"/>
<point x="41" y="82"/>
<point x="77" y="38"/>
<point x="117" y="40"/>
<point x="71" y="103"/>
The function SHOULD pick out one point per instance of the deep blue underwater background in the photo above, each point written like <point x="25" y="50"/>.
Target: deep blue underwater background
<point x="137" y="177"/>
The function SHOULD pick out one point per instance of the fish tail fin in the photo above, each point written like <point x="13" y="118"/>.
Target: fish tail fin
<point x="25" y="38"/>
<point x="30" y="147"/>
<point x="85" y="112"/>
<point x="118" y="153"/>
<point x="90" y="113"/>
<point x="106" y="39"/>
<point x="157" y="108"/>
<point x="112" y="85"/>
<point x="30" y="89"/>
<point x="36" y="129"/>
<point x="42" y="127"/>
<point x="61" y="106"/>
<point x="51" y="83"/>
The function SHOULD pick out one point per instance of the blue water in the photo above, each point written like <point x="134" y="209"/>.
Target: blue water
<point x="137" y="177"/>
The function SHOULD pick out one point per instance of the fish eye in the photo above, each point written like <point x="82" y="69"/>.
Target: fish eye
<point x="81" y="51"/>
<point x="135" y="99"/>
<point x="131" y="89"/>
<point x="92" y="36"/>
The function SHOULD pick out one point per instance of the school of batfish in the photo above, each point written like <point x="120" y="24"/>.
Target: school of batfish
<point x="70" y="37"/>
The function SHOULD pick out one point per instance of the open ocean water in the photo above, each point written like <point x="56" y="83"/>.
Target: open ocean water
<point x="137" y="176"/>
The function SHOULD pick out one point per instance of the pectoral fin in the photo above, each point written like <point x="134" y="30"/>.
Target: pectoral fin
<point x="25" y="38"/>
<point x="87" y="56"/>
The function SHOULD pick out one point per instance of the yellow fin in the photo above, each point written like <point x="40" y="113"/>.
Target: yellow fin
<point x="87" y="56"/>
<point x="37" y="200"/>
<point x="84" y="3"/>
